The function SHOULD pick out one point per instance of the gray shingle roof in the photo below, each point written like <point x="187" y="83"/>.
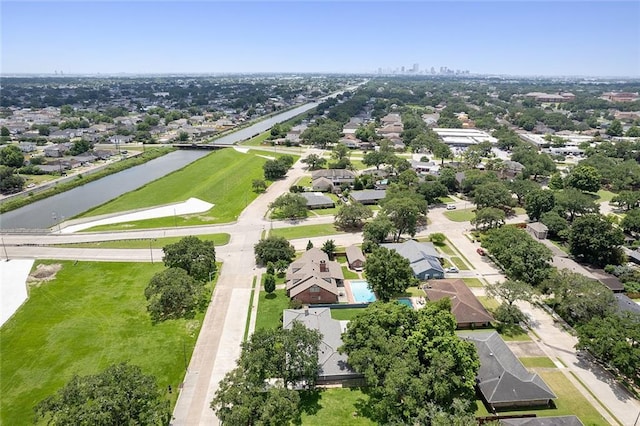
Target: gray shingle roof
<point x="316" y="200"/>
<point x="502" y="378"/>
<point x="368" y="195"/>
<point x="543" y="421"/>
<point x="625" y="304"/>
<point x="422" y="256"/>
<point x="354" y="253"/>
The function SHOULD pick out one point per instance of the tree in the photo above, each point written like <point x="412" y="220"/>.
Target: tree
<point x="631" y="222"/>
<point x="340" y="151"/>
<point x="584" y="178"/>
<point x="615" y="128"/>
<point x="290" y="206"/>
<point x="281" y="266"/>
<point x="488" y="217"/>
<point x="195" y="256"/>
<point x="274" y="169"/>
<point x="520" y="255"/>
<point x="173" y="294"/>
<point x="409" y="357"/>
<point x="4" y="131"/>
<point x="329" y="247"/>
<point x="633" y="132"/>
<point x="557" y="225"/>
<point x="578" y="299"/>
<point x="432" y="191"/>
<point x="627" y="200"/>
<point x="378" y="229"/>
<point x="510" y="291"/>
<point x="405" y="209"/>
<point x="573" y="203"/>
<point x="273" y="249"/>
<point x="375" y="158"/>
<point x="269" y="283"/>
<point x="11" y="156"/>
<point x="492" y="194"/>
<point x="521" y="188"/>
<point x="10" y="182"/>
<point x="258" y="185"/>
<point x="537" y="202"/>
<point x="388" y="273"/>
<point x="80" y="147"/>
<point x="120" y="395"/>
<point x="352" y="216"/>
<point x="595" y="240"/>
<point x="309" y="245"/>
<point x="442" y="151"/>
<point x="314" y="161"/>
<point x="437" y="238"/>
<point x="448" y="178"/>
<point x="556" y="182"/>
<point x="615" y="341"/>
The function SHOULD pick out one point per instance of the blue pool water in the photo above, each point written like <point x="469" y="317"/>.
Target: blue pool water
<point x="361" y="292"/>
<point x="405" y="302"/>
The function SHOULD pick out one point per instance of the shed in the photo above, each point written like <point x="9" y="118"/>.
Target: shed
<point x="355" y="258"/>
<point x="538" y="229"/>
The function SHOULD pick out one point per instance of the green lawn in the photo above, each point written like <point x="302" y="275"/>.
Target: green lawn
<point x="270" y="307"/>
<point x="473" y="282"/>
<point x="305" y="231"/>
<point x="91" y="315"/>
<point x="537" y="361"/>
<point x="604" y="195"/>
<point x="412" y="292"/>
<point x="223" y="178"/>
<point x="335" y="407"/>
<point x="489" y="303"/>
<point x="464" y="215"/>
<point x="349" y="274"/>
<point x="257" y="140"/>
<point x="459" y="263"/>
<point x="346" y="314"/>
<point x="158" y="243"/>
<point x="513" y="333"/>
<point x="447" y="200"/>
<point x="443" y="247"/>
<point x="304" y="181"/>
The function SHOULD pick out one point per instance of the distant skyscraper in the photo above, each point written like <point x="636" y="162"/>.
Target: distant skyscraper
<point x="433" y="70"/>
<point x="416" y="68"/>
<point x="402" y="69"/>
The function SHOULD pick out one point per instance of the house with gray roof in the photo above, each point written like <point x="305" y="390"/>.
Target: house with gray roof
<point x="502" y="379"/>
<point x="465" y="306"/>
<point x="355" y="257"/>
<point x="314" y="278"/>
<point x="423" y="257"/>
<point x="336" y="176"/>
<point x="368" y="196"/>
<point x="543" y="421"/>
<point x="316" y="200"/>
<point x="625" y="304"/>
<point x="333" y="365"/>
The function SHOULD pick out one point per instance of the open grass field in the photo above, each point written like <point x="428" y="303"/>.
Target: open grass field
<point x="223" y="178"/>
<point x="306" y="231"/>
<point x="270" y="307"/>
<point x="156" y="243"/>
<point x="538" y="362"/>
<point x="463" y="215"/>
<point x="570" y="401"/>
<point x="336" y="407"/>
<point x="91" y="315"/>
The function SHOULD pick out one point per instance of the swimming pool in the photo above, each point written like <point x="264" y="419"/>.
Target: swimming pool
<point x="405" y="301"/>
<point x="361" y="291"/>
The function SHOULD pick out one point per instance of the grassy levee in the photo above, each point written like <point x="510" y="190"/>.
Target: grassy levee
<point x="91" y="315"/>
<point x="156" y="243"/>
<point x="223" y="178"/>
<point x="112" y="168"/>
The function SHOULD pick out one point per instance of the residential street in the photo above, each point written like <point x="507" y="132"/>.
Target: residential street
<point x="218" y="345"/>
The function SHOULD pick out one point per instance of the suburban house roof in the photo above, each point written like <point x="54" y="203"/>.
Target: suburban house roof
<point x="543" y="421"/>
<point x="368" y="195"/>
<point x="332" y="363"/>
<point x="625" y="304"/>
<point x="422" y="256"/>
<point x="334" y="174"/>
<point x="464" y="305"/>
<point x="502" y="378"/>
<point x="313" y="268"/>
<point x="537" y="226"/>
<point x="354" y="253"/>
<point x="317" y="200"/>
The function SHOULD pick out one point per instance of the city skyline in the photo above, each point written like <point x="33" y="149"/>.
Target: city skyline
<point x="157" y="37"/>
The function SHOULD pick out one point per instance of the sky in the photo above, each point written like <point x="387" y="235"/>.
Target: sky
<point x="149" y="37"/>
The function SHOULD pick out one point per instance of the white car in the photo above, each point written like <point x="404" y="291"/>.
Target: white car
<point x="452" y="270"/>
<point x="451" y="206"/>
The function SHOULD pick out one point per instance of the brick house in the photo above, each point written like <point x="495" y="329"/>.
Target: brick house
<point x="314" y="278"/>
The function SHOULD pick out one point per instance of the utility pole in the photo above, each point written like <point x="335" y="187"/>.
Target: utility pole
<point x="4" y="246"/>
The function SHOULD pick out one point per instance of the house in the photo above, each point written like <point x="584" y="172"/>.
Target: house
<point x="542" y="421"/>
<point x="314" y="278"/>
<point x="538" y="229"/>
<point x="423" y="257"/>
<point x="333" y="365"/>
<point x="322" y="184"/>
<point x="502" y="379"/>
<point x="336" y="176"/>
<point x="422" y="167"/>
<point x="355" y="258"/>
<point x="85" y="158"/>
<point x="511" y="168"/>
<point x="368" y="196"/>
<point x="316" y="200"/>
<point x="465" y="307"/>
<point x="27" y="146"/>
<point x="633" y="255"/>
<point x="625" y="304"/>
<point x="120" y="139"/>
<point x="57" y="150"/>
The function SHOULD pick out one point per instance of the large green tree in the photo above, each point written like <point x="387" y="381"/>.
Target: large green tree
<point x="10" y="181"/>
<point x="492" y="194"/>
<point x="194" y="255"/>
<point x="488" y="217"/>
<point x="290" y="206"/>
<point x="631" y="221"/>
<point x="584" y="178"/>
<point x="388" y="273"/>
<point x="595" y="240"/>
<point x="173" y="294"/>
<point x="408" y="358"/>
<point x="572" y="203"/>
<point x="273" y="249"/>
<point x="120" y="395"/>
<point x="378" y="229"/>
<point x="537" y="202"/>
<point x="352" y="216"/>
<point x="11" y="156"/>
<point x="314" y="161"/>
<point x="510" y="292"/>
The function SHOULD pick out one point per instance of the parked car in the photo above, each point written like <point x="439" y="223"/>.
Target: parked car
<point x="452" y="270"/>
<point x="451" y="206"/>
<point x="481" y="252"/>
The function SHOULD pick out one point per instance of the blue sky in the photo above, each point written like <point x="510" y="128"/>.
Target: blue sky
<point x="521" y="38"/>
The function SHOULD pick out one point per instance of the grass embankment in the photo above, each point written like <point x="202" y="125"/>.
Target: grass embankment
<point x="80" y="180"/>
<point x="91" y="315"/>
<point x="223" y="178"/>
<point x="156" y="243"/>
<point x="306" y="231"/>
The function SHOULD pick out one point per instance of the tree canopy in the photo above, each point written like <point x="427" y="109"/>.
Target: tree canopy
<point x="584" y="178"/>
<point x="11" y="156"/>
<point x="289" y="206"/>
<point x="273" y="249"/>
<point x="120" y="395"/>
<point x="595" y="240"/>
<point x="173" y="294"/>
<point x="192" y="254"/>
<point x="537" y="202"/>
<point x="352" y="216"/>
<point x="409" y="357"/>
<point x="388" y="273"/>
